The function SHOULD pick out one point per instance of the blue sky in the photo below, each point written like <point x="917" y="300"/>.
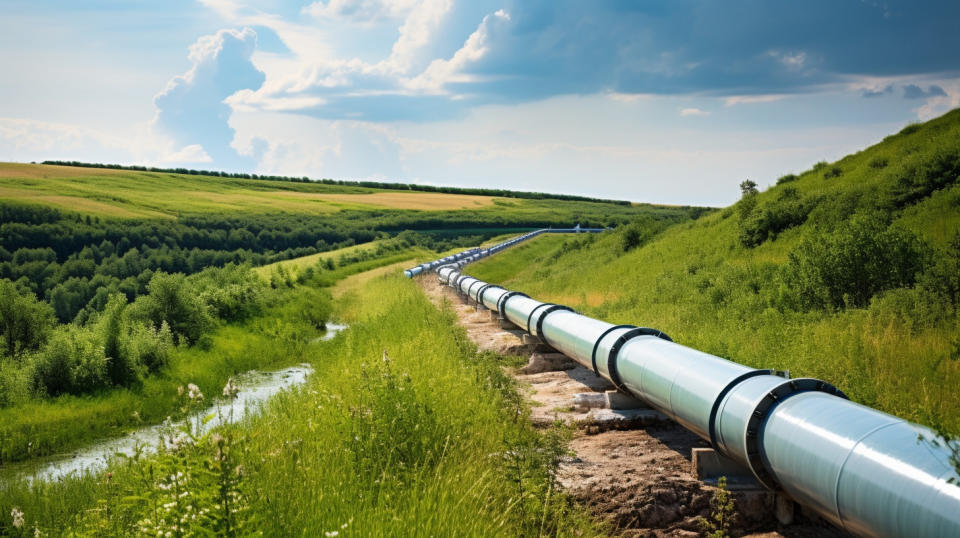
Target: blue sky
<point x="662" y="101"/>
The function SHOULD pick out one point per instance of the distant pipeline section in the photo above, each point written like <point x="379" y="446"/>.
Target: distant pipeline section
<point x="867" y="472"/>
<point x="474" y="254"/>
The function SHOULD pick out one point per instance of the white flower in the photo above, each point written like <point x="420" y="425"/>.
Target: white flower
<point x="17" y="516"/>
<point x="230" y="390"/>
<point x="331" y="533"/>
<point x="193" y="392"/>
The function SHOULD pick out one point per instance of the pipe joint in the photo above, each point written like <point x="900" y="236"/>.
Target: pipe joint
<point x="615" y="351"/>
<point x="763" y="409"/>
<point x="502" y="303"/>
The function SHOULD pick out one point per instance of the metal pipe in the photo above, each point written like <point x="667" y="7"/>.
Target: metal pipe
<point x="462" y="258"/>
<point x="864" y="470"/>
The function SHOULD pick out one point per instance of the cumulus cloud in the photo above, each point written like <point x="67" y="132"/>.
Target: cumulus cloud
<point x="192" y="110"/>
<point x="450" y="56"/>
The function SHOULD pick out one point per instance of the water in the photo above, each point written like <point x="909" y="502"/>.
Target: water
<point x="255" y="387"/>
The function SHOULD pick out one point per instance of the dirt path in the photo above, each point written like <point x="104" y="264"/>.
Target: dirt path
<point x="632" y="468"/>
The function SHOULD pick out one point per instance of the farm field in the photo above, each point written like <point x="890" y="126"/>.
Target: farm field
<point x="125" y="193"/>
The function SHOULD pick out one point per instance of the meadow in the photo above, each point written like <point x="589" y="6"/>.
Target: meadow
<point x="849" y="272"/>
<point x="391" y="435"/>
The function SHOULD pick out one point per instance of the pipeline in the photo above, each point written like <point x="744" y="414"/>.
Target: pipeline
<point x="867" y="472"/>
<point x="462" y="258"/>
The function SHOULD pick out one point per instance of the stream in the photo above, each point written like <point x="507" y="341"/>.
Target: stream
<point x="254" y="388"/>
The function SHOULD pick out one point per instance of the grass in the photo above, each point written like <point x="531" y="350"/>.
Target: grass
<point x="403" y="430"/>
<point x="696" y="282"/>
<point x="297" y="265"/>
<point x="129" y="194"/>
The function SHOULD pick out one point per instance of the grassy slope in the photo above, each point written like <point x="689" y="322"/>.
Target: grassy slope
<point x="124" y="193"/>
<point x="698" y="284"/>
<point x="432" y="443"/>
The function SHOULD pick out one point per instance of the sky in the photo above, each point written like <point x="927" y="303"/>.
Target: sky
<point x="670" y="101"/>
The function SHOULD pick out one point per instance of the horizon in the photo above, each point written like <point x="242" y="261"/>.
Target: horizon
<point x="652" y="104"/>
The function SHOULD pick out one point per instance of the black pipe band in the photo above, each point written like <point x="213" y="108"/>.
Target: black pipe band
<point x="483" y="290"/>
<point x="615" y="350"/>
<point x="543" y="316"/>
<point x="472" y="284"/>
<point x="530" y="315"/>
<point x="719" y="399"/>
<point x="759" y="416"/>
<point x="593" y="355"/>
<point x="502" y="302"/>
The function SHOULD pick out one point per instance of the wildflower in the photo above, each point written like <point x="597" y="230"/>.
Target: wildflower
<point x="180" y="390"/>
<point x="17" y="516"/>
<point x="330" y="534"/>
<point x="193" y="392"/>
<point x="230" y="390"/>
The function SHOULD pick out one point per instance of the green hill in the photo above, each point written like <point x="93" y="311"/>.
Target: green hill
<point x="849" y="272"/>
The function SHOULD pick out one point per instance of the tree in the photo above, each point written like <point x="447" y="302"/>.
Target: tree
<point x="748" y="187"/>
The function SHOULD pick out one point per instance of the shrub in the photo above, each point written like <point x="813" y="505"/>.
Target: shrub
<point x="149" y="347"/>
<point x="787" y="179"/>
<point x="638" y="233"/>
<point x="820" y="165"/>
<point x="917" y="179"/>
<point x="772" y="218"/>
<point x="233" y="292"/>
<point x="861" y="258"/>
<point x="878" y="162"/>
<point x="72" y="362"/>
<point x="911" y="128"/>
<point x="24" y="321"/>
<point x="832" y="172"/>
<point x="174" y="300"/>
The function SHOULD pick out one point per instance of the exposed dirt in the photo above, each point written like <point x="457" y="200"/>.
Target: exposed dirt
<point x="631" y="467"/>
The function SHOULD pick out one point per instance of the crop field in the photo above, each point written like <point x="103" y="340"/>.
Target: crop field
<point x="123" y="193"/>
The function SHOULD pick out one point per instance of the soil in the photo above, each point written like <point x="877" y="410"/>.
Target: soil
<point x="632" y="468"/>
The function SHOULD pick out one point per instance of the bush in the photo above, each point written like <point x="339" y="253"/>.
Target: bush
<point x="878" y="162"/>
<point x="72" y="362"/>
<point x="147" y="346"/>
<point x="846" y="268"/>
<point x="233" y="292"/>
<point x="174" y="300"/>
<point x="938" y="167"/>
<point x="639" y="232"/>
<point x="834" y="171"/>
<point x="787" y="179"/>
<point x="770" y="219"/>
<point x="24" y="321"/>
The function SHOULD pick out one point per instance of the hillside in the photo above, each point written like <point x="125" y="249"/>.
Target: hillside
<point x="849" y="272"/>
<point x="74" y="235"/>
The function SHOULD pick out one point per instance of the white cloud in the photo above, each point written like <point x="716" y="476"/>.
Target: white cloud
<point x="442" y="72"/>
<point x="685" y="112"/>
<point x="360" y="11"/>
<point x="752" y="99"/>
<point x="194" y="153"/>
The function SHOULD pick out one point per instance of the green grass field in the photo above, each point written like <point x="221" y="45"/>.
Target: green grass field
<point x="124" y="193"/>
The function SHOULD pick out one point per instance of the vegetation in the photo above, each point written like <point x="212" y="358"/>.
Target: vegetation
<point x="391" y="435"/>
<point x="504" y="193"/>
<point x="852" y="280"/>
